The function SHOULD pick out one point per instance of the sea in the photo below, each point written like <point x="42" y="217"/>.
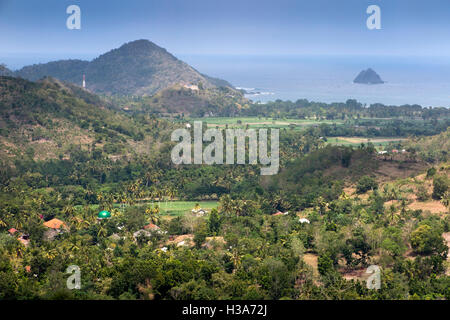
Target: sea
<point x="329" y="78"/>
<point x="321" y="78"/>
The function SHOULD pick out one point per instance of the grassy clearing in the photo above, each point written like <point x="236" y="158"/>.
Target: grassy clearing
<point x="169" y="208"/>
<point x="178" y="208"/>
<point x="354" y="141"/>
<point x="260" y="122"/>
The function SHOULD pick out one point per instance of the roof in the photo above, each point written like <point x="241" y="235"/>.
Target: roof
<point x="55" y="224"/>
<point x="278" y="213"/>
<point x="24" y="242"/>
<point x="141" y="232"/>
<point x="12" y="230"/>
<point x="104" y="214"/>
<point x="185" y="239"/>
<point x="151" y="226"/>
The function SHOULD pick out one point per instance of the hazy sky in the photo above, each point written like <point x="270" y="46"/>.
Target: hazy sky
<point x="409" y="27"/>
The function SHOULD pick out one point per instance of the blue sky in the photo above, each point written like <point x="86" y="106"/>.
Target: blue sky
<point x="409" y="27"/>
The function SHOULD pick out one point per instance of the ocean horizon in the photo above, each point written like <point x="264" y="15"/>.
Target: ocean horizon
<point x="321" y="78"/>
<point x="408" y="80"/>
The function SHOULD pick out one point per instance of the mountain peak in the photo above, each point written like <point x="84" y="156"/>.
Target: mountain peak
<point x="368" y="76"/>
<point x="138" y="67"/>
<point x="141" y="45"/>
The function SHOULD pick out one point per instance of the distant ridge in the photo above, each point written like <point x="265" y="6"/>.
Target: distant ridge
<point x="4" y="71"/>
<point x="136" y="68"/>
<point x="368" y="76"/>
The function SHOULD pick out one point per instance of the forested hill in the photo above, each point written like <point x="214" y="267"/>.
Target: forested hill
<point x="136" y="68"/>
<point x="4" y="71"/>
<point x="65" y="70"/>
<point x="48" y="119"/>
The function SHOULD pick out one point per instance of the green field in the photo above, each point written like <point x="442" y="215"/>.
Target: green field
<point x="169" y="208"/>
<point x="262" y="122"/>
<point x="355" y="141"/>
<point x="178" y="208"/>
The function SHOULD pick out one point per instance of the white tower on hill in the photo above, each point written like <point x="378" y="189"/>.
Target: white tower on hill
<point x="84" y="81"/>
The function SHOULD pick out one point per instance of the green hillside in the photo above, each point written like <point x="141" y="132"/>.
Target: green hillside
<point x="48" y="119"/>
<point x="180" y="100"/>
<point x="136" y="68"/>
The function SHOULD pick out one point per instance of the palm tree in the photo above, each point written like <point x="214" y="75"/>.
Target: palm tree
<point x="238" y="207"/>
<point x="80" y="223"/>
<point x="148" y="177"/>
<point x="392" y="211"/>
<point x="73" y="245"/>
<point x="18" y="224"/>
<point x="226" y="204"/>
<point x="153" y="213"/>
<point x="159" y="194"/>
<point x="68" y="210"/>
<point x="171" y="191"/>
<point x="236" y="258"/>
<point x="102" y="232"/>
<point x="51" y="254"/>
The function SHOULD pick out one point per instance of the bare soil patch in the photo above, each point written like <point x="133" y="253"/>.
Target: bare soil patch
<point x="391" y="170"/>
<point x="311" y="259"/>
<point x="365" y="140"/>
<point x="357" y="274"/>
<point x="186" y="239"/>
<point x="433" y="206"/>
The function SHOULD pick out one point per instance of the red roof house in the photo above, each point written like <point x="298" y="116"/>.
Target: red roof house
<point x="151" y="226"/>
<point x="55" y="224"/>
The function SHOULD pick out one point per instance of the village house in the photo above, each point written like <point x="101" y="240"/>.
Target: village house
<point x="151" y="227"/>
<point x="141" y="233"/>
<point x="199" y="212"/>
<point x="23" y="237"/>
<point x="279" y="213"/>
<point x="191" y="86"/>
<point x="147" y="231"/>
<point x="55" y="227"/>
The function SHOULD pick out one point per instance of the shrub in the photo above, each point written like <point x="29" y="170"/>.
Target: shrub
<point x="426" y="240"/>
<point x="325" y="264"/>
<point x="440" y="187"/>
<point x="365" y="184"/>
<point x="422" y="194"/>
<point x="431" y="172"/>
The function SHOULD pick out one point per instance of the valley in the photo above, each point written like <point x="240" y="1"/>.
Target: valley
<point x="87" y="179"/>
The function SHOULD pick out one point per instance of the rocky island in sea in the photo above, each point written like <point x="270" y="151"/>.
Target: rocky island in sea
<point x="368" y="76"/>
